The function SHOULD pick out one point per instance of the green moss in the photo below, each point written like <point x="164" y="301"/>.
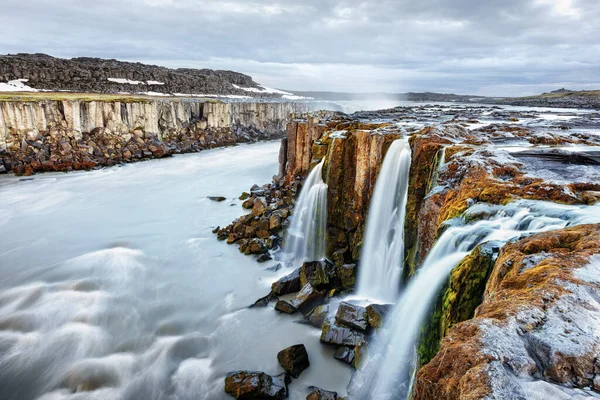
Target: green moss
<point x="459" y="298"/>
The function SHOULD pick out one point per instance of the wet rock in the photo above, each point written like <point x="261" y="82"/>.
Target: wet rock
<point x="274" y="268"/>
<point x="320" y="394"/>
<point x="341" y="336"/>
<point x="376" y="314"/>
<point x="285" y="307"/>
<point x="320" y="274"/>
<point x="294" y="360"/>
<point x="307" y="299"/>
<point x="246" y="385"/>
<point x="347" y="275"/>
<point x="259" y="207"/>
<point x="217" y="198"/>
<point x="248" y="204"/>
<point x="274" y="222"/>
<point x="288" y="284"/>
<point x="318" y="315"/>
<point x="352" y="316"/>
<point x="345" y="354"/>
<point x="264" y="258"/>
<point x="244" y="196"/>
<point x="264" y="301"/>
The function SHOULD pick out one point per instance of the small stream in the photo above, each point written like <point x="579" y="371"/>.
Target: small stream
<point x="113" y="283"/>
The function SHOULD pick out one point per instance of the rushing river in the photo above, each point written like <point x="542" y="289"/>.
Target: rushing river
<point x="112" y="280"/>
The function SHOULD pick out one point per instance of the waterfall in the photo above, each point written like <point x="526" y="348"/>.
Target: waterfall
<point x="305" y="240"/>
<point x="382" y="256"/>
<point x="387" y="375"/>
<point x="441" y="164"/>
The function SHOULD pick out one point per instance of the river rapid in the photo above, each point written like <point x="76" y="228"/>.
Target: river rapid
<point x="113" y="286"/>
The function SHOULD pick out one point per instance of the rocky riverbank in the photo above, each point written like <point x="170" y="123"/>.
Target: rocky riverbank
<point x="69" y="135"/>
<point x="455" y="165"/>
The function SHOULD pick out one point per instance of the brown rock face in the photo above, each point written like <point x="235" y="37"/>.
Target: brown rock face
<point x="244" y="385"/>
<point x="65" y="135"/>
<point x="538" y="322"/>
<point x="294" y="360"/>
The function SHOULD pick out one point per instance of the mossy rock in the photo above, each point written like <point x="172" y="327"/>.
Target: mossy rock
<point x="460" y="297"/>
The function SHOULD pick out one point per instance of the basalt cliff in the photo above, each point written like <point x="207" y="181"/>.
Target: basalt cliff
<point x="64" y="135"/>
<point x="514" y="318"/>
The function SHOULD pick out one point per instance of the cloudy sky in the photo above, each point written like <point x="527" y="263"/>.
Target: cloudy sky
<point x="493" y="47"/>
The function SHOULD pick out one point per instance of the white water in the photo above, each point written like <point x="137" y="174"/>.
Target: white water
<point x="387" y="375"/>
<point x="382" y="256"/>
<point x="115" y="275"/>
<point x="305" y="240"/>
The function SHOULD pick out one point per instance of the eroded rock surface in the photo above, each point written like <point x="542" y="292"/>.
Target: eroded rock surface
<point x="536" y="329"/>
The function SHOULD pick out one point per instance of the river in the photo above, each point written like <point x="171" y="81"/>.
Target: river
<point x="112" y="280"/>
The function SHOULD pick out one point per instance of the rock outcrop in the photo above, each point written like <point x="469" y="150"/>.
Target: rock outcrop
<point x="536" y="330"/>
<point x="65" y="135"/>
<point x="91" y="75"/>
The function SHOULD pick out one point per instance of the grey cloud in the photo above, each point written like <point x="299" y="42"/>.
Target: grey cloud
<point x="508" y="47"/>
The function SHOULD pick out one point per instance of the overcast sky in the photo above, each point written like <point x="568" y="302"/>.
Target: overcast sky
<point x="493" y="47"/>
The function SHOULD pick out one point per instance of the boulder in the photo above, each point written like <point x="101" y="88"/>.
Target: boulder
<point x="318" y="316"/>
<point x="217" y="198"/>
<point x="344" y="354"/>
<point x="307" y="299"/>
<point x="247" y="385"/>
<point x="248" y="204"/>
<point x="320" y="274"/>
<point x="341" y="336"/>
<point x="285" y="307"/>
<point x="352" y="316"/>
<point x="376" y="314"/>
<point x="259" y="207"/>
<point x="294" y="359"/>
<point x="288" y="284"/>
<point x="264" y="301"/>
<point x="320" y="394"/>
<point x="347" y="275"/>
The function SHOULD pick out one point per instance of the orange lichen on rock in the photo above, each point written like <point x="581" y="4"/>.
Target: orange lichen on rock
<point x="538" y="323"/>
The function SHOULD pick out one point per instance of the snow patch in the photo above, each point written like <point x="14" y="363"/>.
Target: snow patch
<point x="123" y="80"/>
<point x="224" y="96"/>
<point x="591" y="272"/>
<point x="17" y="85"/>
<point x="262" y="89"/>
<point x="155" y="83"/>
<point x="294" y="97"/>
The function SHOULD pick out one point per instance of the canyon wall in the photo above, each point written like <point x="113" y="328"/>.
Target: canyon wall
<point x="353" y="153"/>
<point x="74" y="134"/>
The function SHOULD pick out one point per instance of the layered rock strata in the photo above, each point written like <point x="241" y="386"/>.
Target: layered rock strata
<point x="66" y="135"/>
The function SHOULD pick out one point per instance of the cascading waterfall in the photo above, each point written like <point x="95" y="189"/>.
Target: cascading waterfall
<point x="388" y="373"/>
<point x="382" y="256"/>
<point x="305" y="240"/>
<point x="441" y="164"/>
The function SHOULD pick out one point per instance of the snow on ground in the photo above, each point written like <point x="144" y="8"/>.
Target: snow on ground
<point x="155" y="83"/>
<point x="156" y="94"/>
<point x="294" y="97"/>
<point x="263" y="89"/>
<point x="226" y="96"/>
<point x="123" y="80"/>
<point x="17" y="85"/>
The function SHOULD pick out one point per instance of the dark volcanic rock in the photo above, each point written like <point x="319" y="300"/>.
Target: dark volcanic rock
<point x="352" y="316"/>
<point x="376" y="314"/>
<point x="320" y="394"/>
<point x="345" y="354"/>
<point x="333" y="334"/>
<point x="307" y="299"/>
<point x="91" y="75"/>
<point x="245" y="385"/>
<point x="217" y="198"/>
<point x="294" y="359"/>
<point x="264" y="301"/>
<point x="285" y="307"/>
<point x="318" y="315"/>
<point x="288" y="284"/>
<point x="320" y="274"/>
